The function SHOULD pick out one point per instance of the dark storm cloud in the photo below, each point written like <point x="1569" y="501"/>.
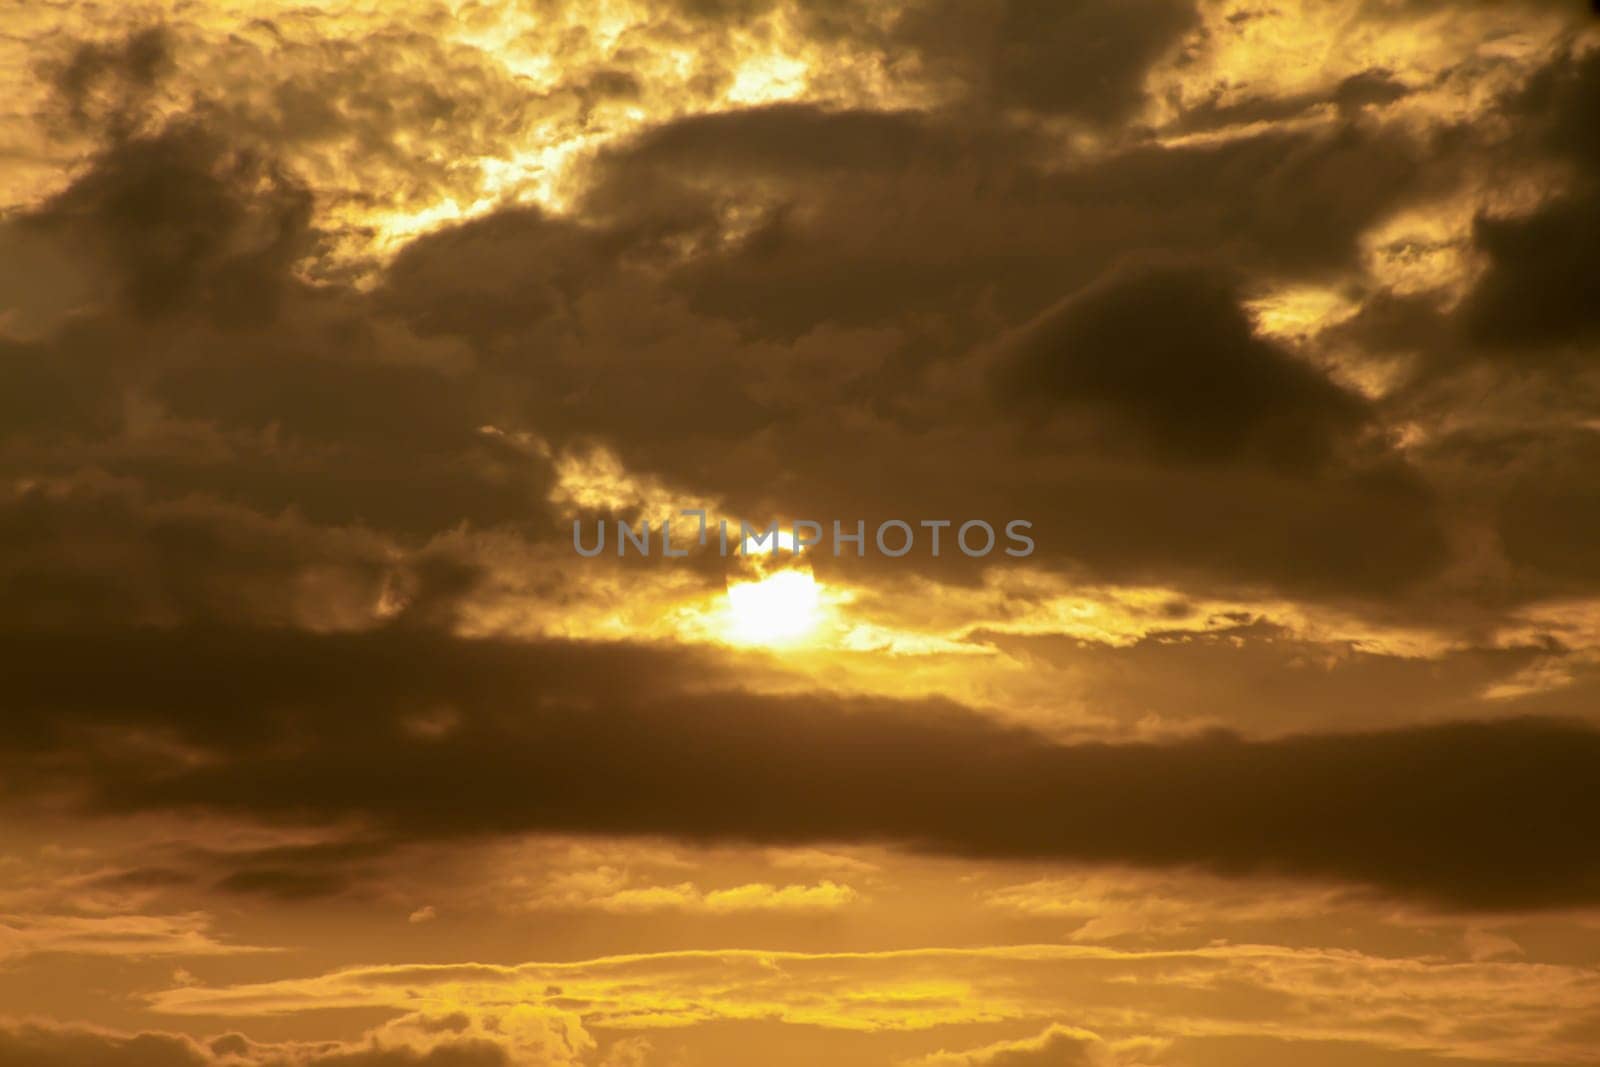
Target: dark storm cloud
<point x="1264" y="678"/>
<point x="1540" y="288"/>
<point x="1539" y="291"/>
<point x="1155" y="367"/>
<point x="705" y="252"/>
<point x="1153" y="372"/>
<point x="865" y="217"/>
<point x="241" y="424"/>
<point x="399" y="447"/>
<point x="557" y="738"/>
<point x="1549" y="518"/>
<point x="1164" y="355"/>
<point x="1375" y="533"/>
<point x="1520" y="345"/>
<point x="499" y="274"/>
<point x="45" y="399"/>
<point x="200" y="364"/>
<point x="349" y="865"/>
<point x="285" y="884"/>
<point x="827" y="236"/>
<point x="1560" y="108"/>
<point x="1370" y="88"/>
<point x="1211" y="529"/>
<point x="1535" y="295"/>
<point x="798" y="139"/>
<point x="101" y="550"/>
<point x="186" y="224"/>
<point x="102" y="83"/>
<point x="1085" y="59"/>
<point x="863" y="220"/>
<point x="296" y="872"/>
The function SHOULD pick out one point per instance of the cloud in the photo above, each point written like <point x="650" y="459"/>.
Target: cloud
<point x="1537" y="289"/>
<point x="514" y="1037"/>
<point x="79" y="551"/>
<point x="1479" y="814"/>
<point x="127" y="936"/>
<point x="1536" y="292"/>
<point x="1056" y="1046"/>
<point x="309" y="316"/>
<point x="1145" y="908"/>
<point x="691" y="899"/>
<point x="39" y="1045"/>
<point x="1408" y="1009"/>
<point x="705" y="250"/>
<point x="1085" y="60"/>
<point x="1163" y="356"/>
<point x="170" y="217"/>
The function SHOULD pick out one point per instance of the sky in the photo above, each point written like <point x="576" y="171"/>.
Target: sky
<point x="1262" y="335"/>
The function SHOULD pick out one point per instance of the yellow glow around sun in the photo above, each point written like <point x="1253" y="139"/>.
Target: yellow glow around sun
<point x="780" y="609"/>
<point x="765" y="79"/>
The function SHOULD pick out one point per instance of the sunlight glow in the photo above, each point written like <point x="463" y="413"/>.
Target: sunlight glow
<point x="768" y="78"/>
<point x="780" y="609"/>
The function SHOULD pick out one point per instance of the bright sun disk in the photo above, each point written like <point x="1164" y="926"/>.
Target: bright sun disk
<point x="777" y="610"/>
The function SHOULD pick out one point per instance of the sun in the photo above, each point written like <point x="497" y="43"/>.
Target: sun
<point x="780" y="609"/>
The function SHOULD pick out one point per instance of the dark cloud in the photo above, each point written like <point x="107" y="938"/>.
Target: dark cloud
<point x="1370" y="87"/>
<point x="497" y="275"/>
<point x="794" y="139"/>
<point x="186" y="223"/>
<point x="144" y="878"/>
<point x="1520" y="344"/>
<point x="564" y="738"/>
<point x="282" y="884"/>
<point x="1267" y="679"/>
<point x="88" y="552"/>
<point x="707" y="254"/>
<point x="44" y="399"/>
<point x="249" y="503"/>
<point x="1085" y="59"/>
<point x="1549" y="516"/>
<point x="1350" y="96"/>
<point x="1539" y="288"/>
<point x="295" y="872"/>
<point x="103" y="84"/>
<point x="795" y="217"/>
<point x="1164" y="356"/>
<point x="1560" y="108"/>
<point x="201" y="365"/>
<point x="782" y="222"/>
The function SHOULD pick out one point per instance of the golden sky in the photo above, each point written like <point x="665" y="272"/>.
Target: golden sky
<point x="325" y="327"/>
